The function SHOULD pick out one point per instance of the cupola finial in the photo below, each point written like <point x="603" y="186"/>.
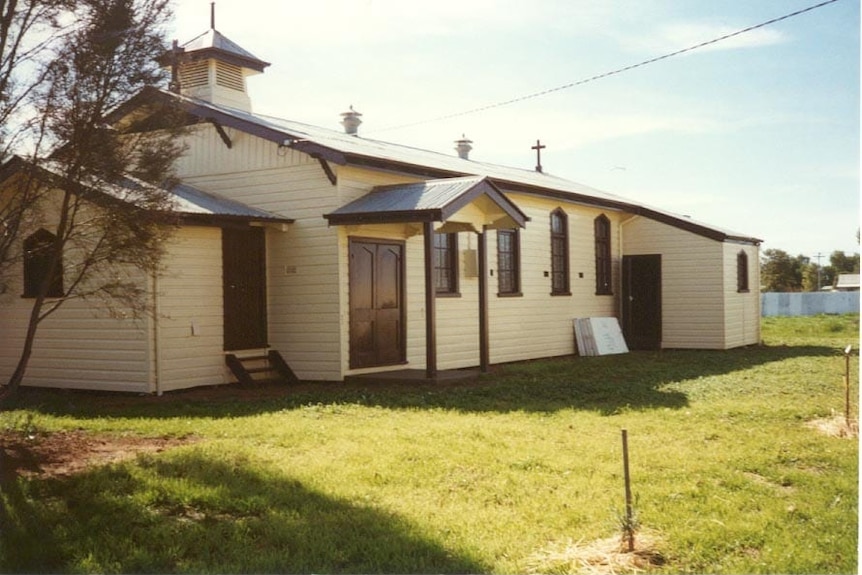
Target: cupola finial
<point x="212" y="15"/>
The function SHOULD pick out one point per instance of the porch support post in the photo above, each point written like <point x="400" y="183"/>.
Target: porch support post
<point x="484" y="345"/>
<point x="430" y="301"/>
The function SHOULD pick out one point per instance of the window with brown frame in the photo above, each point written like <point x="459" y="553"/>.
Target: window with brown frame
<point x="446" y="263"/>
<point x="602" y="231"/>
<point x="508" y="262"/>
<point x="38" y="249"/>
<point x="742" y="272"/>
<point x="559" y="253"/>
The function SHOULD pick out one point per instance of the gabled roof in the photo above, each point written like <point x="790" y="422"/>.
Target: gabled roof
<point x="428" y="201"/>
<point x="344" y="149"/>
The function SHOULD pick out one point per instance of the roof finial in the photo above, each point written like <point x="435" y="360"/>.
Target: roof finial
<point x="212" y="15"/>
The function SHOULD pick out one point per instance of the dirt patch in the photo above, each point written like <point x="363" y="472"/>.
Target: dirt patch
<point x="64" y="453"/>
<point x="836" y="426"/>
<point x="602" y="557"/>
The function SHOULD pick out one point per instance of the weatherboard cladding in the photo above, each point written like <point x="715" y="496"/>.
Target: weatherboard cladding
<point x="344" y="149"/>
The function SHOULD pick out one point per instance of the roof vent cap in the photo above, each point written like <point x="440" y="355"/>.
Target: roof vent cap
<point x="463" y="147"/>
<point x="350" y="120"/>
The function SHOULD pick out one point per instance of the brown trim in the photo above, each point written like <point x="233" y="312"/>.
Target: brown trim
<point x="327" y="169"/>
<point x="430" y="306"/>
<point x="484" y="327"/>
<point x="221" y="132"/>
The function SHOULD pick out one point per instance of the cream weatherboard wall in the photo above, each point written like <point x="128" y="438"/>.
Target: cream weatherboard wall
<point x="187" y="346"/>
<point x="741" y="309"/>
<point x="302" y="260"/>
<point x="701" y="308"/>
<point x="532" y="325"/>
<point x="538" y="324"/>
<point x="84" y="343"/>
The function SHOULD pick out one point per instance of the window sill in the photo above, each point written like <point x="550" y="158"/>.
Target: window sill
<point x="561" y="293"/>
<point x="448" y="294"/>
<point x="510" y="294"/>
<point x="604" y="293"/>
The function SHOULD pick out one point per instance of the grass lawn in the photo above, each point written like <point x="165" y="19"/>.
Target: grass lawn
<point x="515" y="473"/>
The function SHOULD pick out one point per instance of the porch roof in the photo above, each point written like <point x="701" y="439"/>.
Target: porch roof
<point x="428" y="201"/>
<point x="192" y="202"/>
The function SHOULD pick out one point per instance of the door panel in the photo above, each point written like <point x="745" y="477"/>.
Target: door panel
<point x="376" y="304"/>
<point x="244" y="285"/>
<point x="642" y="316"/>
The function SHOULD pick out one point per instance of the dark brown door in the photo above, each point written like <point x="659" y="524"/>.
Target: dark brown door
<point x="244" y="280"/>
<point x="642" y="301"/>
<point x="376" y="303"/>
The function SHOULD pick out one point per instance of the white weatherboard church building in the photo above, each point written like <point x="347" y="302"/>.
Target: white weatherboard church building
<point x="334" y="255"/>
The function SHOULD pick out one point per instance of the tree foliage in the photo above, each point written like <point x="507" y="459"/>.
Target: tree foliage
<point x="780" y="272"/>
<point x="100" y="190"/>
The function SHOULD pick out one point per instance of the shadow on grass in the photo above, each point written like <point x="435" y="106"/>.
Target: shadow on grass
<point x="191" y="513"/>
<point x="607" y="384"/>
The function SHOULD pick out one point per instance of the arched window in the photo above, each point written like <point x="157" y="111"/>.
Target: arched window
<point x="38" y="249"/>
<point x="602" y="230"/>
<point x="559" y="253"/>
<point x="742" y="271"/>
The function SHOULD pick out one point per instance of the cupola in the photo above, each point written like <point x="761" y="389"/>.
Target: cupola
<point x="213" y="68"/>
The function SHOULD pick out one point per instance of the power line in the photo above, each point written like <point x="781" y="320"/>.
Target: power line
<point x="612" y="72"/>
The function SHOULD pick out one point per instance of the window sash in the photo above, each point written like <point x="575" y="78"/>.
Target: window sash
<point x="742" y="272"/>
<point x="559" y="253"/>
<point x="446" y="263"/>
<point x="603" y="256"/>
<point x="508" y="262"/>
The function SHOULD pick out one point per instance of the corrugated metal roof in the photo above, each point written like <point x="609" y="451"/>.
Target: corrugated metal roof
<point x="341" y="148"/>
<point x="431" y="200"/>
<point x="187" y="200"/>
<point x="420" y="196"/>
<point x="190" y="200"/>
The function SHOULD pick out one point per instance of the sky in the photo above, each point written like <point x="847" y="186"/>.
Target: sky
<point x="757" y="134"/>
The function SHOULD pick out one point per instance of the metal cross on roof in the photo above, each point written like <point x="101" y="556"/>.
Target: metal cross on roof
<point x="538" y="147"/>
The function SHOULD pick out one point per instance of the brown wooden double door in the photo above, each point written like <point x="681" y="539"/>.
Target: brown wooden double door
<point x="377" y="324"/>
<point x="244" y="285"/>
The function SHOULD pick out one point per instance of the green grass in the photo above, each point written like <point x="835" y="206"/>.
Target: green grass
<point x="474" y="478"/>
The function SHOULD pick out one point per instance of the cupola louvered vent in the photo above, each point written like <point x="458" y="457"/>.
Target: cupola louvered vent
<point x="194" y="74"/>
<point x="229" y="76"/>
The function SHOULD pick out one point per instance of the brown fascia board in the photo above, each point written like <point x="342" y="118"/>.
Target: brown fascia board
<point x="226" y="220"/>
<point x="399" y="217"/>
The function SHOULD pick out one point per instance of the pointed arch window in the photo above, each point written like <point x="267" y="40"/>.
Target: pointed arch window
<point x="559" y="253"/>
<point x="38" y="251"/>
<point x="602" y="233"/>
<point x="742" y="272"/>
